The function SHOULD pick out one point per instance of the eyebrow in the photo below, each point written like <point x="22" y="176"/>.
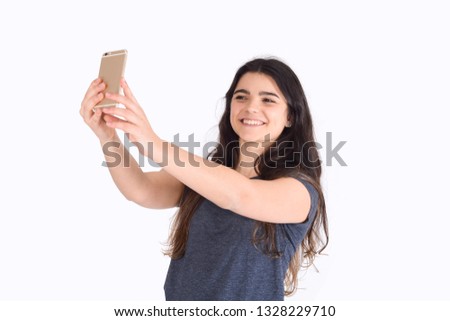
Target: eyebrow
<point x="261" y="93"/>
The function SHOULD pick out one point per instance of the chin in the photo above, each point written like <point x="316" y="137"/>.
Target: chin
<point x="251" y="139"/>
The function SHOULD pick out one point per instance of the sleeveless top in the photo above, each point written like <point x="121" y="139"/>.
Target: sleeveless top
<point x="221" y="262"/>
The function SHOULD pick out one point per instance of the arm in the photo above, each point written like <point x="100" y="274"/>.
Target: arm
<point x="155" y="190"/>
<point x="283" y="200"/>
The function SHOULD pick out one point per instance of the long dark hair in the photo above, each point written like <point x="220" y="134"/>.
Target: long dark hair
<point x="295" y="155"/>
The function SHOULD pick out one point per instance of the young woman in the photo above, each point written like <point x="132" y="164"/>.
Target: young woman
<point x="252" y="211"/>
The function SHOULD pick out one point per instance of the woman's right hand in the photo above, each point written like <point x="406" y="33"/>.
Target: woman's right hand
<point x="93" y="119"/>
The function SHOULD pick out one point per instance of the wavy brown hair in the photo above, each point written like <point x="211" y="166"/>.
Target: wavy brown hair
<point x="295" y="155"/>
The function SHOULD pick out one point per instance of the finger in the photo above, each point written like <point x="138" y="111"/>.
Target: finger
<point x="87" y="105"/>
<point x="95" y="87"/>
<point x="129" y="115"/>
<point x="127" y="103"/>
<point x="96" y="81"/>
<point x="109" y="118"/>
<point x="127" y="91"/>
<point x="93" y="116"/>
<point x="92" y="94"/>
<point x="96" y="116"/>
<point x="125" y="126"/>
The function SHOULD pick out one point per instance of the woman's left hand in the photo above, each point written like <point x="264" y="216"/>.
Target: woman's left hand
<point x="135" y="124"/>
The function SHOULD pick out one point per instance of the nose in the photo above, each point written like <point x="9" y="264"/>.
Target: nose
<point x="252" y="106"/>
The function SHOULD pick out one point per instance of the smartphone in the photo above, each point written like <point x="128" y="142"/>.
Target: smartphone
<point x="112" y="69"/>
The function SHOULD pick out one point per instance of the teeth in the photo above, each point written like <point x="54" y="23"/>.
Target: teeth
<point x="252" y="122"/>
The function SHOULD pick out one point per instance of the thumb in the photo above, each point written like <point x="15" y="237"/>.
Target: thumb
<point x="97" y="114"/>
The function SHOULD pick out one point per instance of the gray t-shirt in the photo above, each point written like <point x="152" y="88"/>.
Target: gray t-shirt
<point x="221" y="263"/>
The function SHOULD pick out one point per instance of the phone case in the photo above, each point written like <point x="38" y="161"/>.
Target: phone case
<point x="112" y="69"/>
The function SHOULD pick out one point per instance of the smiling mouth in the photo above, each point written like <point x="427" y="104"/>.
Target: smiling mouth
<point x="251" y="122"/>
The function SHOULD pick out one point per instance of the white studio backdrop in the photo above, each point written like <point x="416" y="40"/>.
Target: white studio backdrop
<point x="376" y="75"/>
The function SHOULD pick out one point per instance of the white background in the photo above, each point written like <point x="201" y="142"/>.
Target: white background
<point x="376" y="74"/>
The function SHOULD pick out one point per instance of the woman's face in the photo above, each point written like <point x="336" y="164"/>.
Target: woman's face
<point x="258" y="109"/>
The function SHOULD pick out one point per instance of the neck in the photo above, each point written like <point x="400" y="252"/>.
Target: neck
<point x="248" y="153"/>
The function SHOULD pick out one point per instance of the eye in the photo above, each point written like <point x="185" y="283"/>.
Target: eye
<point x="268" y="100"/>
<point x="240" y="97"/>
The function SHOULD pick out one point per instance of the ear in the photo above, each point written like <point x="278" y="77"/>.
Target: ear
<point x="288" y="123"/>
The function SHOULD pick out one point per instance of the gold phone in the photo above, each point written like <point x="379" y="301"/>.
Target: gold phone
<point x="112" y="69"/>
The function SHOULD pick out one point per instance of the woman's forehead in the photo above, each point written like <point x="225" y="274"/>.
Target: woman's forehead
<point x="257" y="82"/>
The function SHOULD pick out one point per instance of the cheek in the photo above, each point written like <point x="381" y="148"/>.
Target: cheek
<point x="276" y="117"/>
<point x="234" y="111"/>
<point x="280" y="117"/>
<point x="233" y="115"/>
